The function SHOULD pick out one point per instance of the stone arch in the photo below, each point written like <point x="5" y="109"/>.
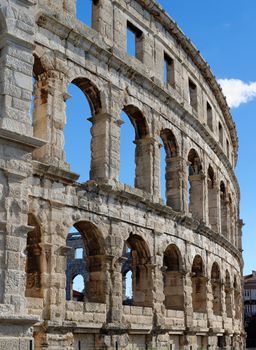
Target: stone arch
<point x="195" y="185"/>
<point x="143" y="147"/>
<point x="198" y="285"/>
<point x="228" y="294"/>
<point x="139" y="263"/>
<point x="91" y="92"/>
<point x="35" y="259"/>
<point x="172" y="169"/>
<point x="216" y="289"/>
<point x="212" y="199"/>
<point x="173" y="278"/>
<point x="94" y="245"/>
<point x="138" y="121"/>
<point x="170" y="143"/>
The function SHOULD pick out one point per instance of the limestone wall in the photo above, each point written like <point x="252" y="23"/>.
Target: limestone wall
<point x="185" y="255"/>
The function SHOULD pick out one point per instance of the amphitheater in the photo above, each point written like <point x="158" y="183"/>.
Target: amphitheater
<point x="184" y="254"/>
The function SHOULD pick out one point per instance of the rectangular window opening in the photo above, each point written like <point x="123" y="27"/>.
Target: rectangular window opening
<point x="134" y="41"/>
<point x="79" y="252"/>
<point x="192" y="94"/>
<point x="209" y="116"/>
<point x="169" y="78"/>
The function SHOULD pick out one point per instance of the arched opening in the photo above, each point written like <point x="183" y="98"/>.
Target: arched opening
<point x="216" y="289"/>
<point x="76" y="266"/>
<point x="223" y="210"/>
<point x="78" y="288"/>
<point x="127" y="152"/>
<point x="72" y="134"/>
<point x="198" y="285"/>
<point x="237" y="300"/>
<point x="173" y="279"/>
<point x="138" y="265"/>
<point x="195" y="185"/>
<point x="77" y="132"/>
<point x="127" y="276"/>
<point x="172" y="170"/>
<point x="135" y="154"/>
<point x="228" y="295"/>
<point x="34" y="260"/>
<point x="212" y="200"/>
<point x="92" y="267"/>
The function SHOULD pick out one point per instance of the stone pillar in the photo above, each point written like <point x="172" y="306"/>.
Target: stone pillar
<point x="70" y="6"/>
<point x="224" y="214"/>
<point x="174" y="183"/>
<point x="144" y="164"/>
<point x="228" y="220"/>
<point x="49" y="117"/>
<point x="105" y="147"/>
<point x="114" y="291"/>
<point x="197" y="196"/>
<point x="55" y="293"/>
<point x="213" y="208"/>
<point x="102" y="19"/>
<point x="156" y="169"/>
<point x="96" y="279"/>
<point x="15" y="236"/>
<point x="158" y="293"/>
<point x="209" y="304"/>
<point x="188" y="300"/>
<point x="16" y="82"/>
<point x="240" y="225"/>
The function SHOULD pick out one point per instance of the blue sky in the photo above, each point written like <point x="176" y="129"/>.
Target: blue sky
<point x="224" y="32"/>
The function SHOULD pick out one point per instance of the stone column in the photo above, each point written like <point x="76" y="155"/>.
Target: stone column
<point x="70" y="6"/>
<point x="49" y="117"/>
<point x="228" y="220"/>
<point x="197" y="196"/>
<point x="96" y="279"/>
<point x="224" y="215"/>
<point x="55" y="293"/>
<point x="156" y="169"/>
<point x="115" y="290"/>
<point x="188" y="301"/>
<point x="213" y="208"/>
<point x="102" y="19"/>
<point x="144" y="164"/>
<point x="16" y="229"/>
<point x="105" y="147"/>
<point x="174" y="182"/>
<point x="158" y="293"/>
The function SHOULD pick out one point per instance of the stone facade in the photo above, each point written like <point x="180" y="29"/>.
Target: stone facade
<point x="185" y="257"/>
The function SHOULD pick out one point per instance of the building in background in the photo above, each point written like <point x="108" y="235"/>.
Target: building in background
<point x="250" y="295"/>
<point x="250" y="309"/>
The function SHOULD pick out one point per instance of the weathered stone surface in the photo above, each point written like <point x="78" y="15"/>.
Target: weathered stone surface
<point x="184" y="257"/>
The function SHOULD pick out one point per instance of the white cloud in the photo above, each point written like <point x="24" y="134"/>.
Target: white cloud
<point x="237" y="91"/>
